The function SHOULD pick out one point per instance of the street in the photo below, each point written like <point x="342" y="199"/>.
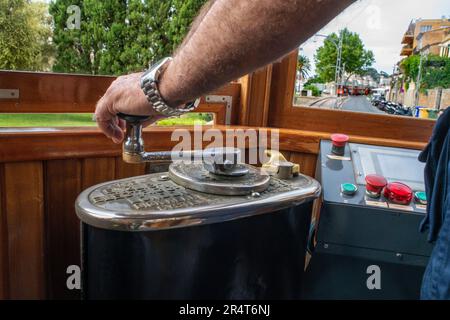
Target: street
<point x="359" y="104"/>
<point x="350" y="103"/>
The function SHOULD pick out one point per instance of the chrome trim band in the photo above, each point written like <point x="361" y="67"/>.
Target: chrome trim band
<point x="224" y="208"/>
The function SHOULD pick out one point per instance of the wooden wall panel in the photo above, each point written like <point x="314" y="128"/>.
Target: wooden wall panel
<point x="307" y="162"/>
<point x="4" y="274"/>
<point x="125" y="170"/>
<point x="255" y="95"/>
<point x="97" y="170"/>
<point x="24" y="209"/>
<point x="52" y="92"/>
<point x="62" y="185"/>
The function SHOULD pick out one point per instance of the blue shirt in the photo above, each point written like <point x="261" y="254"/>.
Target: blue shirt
<point x="436" y="281"/>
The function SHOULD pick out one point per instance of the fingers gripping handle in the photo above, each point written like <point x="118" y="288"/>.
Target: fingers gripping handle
<point x="133" y="118"/>
<point x="133" y="144"/>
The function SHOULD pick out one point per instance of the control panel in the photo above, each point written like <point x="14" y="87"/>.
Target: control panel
<point x="374" y="176"/>
<point x="373" y="201"/>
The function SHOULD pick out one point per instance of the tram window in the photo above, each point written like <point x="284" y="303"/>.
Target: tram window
<point x="368" y="59"/>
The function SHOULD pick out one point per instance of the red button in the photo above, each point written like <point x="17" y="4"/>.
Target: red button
<point x="339" y="140"/>
<point x="375" y="183"/>
<point x="398" y="192"/>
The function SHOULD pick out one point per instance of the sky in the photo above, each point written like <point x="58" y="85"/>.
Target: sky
<point x="381" y="25"/>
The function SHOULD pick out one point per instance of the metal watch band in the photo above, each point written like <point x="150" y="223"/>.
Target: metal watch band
<point x="149" y="85"/>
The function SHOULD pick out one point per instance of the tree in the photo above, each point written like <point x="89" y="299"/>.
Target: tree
<point x="120" y="36"/>
<point x="183" y="13"/>
<point x="314" y="80"/>
<point x="384" y="74"/>
<point x="372" y="72"/>
<point x="410" y="67"/>
<point x="315" y="91"/>
<point x="355" y="57"/>
<point x="71" y="55"/>
<point x="435" y="71"/>
<point x="303" y="66"/>
<point x="25" y="36"/>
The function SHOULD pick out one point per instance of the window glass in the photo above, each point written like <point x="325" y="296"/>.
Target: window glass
<point x="47" y="120"/>
<point x="191" y="118"/>
<point x="425" y="28"/>
<point x="381" y="57"/>
<point x="85" y="38"/>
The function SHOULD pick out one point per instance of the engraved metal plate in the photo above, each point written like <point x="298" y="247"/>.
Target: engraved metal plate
<point x="194" y="176"/>
<point x="155" y="202"/>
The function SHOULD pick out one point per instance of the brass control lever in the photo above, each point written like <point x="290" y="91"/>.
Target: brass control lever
<point x="278" y="166"/>
<point x="221" y="161"/>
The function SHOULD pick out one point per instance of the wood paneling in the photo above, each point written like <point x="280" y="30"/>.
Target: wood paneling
<point x="24" y="210"/>
<point x="282" y="87"/>
<point x="232" y="89"/>
<point x="97" y="170"/>
<point x="4" y="273"/>
<point x="62" y="185"/>
<point x="125" y="170"/>
<point x="307" y="162"/>
<point x="255" y="95"/>
<point x="355" y="123"/>
<point x="51" y="92"/>
<point x="77" y="143"/>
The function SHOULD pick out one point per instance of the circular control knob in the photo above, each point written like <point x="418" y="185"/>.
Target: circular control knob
<point x="349" y="189"/>
<point x="398" y="192"/>
<point x="339" y="141"/>
<point x="374" y="185"/>
<point x="420" y="197"/>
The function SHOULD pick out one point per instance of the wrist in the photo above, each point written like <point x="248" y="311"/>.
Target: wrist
<point x="167" y="87"/>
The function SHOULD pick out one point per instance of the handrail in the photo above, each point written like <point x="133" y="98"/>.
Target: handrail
<point x="63" y="143"/>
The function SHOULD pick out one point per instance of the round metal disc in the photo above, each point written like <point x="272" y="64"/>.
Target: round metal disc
<point x="195" y="177"/>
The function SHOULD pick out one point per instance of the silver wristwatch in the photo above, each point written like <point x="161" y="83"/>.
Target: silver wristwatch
<point x="149" y="84"/>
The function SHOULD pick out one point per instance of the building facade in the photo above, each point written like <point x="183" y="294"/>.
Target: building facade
<point x="430" y="36"/>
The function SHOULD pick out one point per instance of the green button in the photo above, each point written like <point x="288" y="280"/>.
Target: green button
<point x="421" y="197"/>
<point x="348" y="189"/>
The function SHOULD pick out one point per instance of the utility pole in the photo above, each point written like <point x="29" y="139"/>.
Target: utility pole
<point x="338" y="67"/>
<point x="395" y="79"/>
<point x="338" y="61"/>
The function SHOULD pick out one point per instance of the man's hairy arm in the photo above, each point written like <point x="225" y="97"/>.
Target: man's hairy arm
<point x="236" y="37"/>
<point x="229" y="39"/>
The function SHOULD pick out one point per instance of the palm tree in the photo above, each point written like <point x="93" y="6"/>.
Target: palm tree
<point x="303" y="66"/>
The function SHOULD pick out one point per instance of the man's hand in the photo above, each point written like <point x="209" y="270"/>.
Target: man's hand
<point x="124" y="95"/>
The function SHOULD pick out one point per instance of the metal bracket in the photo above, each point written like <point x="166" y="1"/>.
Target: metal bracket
<point x="228" y="100"/>
<point x="9" y="93"/>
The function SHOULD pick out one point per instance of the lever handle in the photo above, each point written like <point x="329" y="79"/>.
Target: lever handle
<point x="132" y="118"/>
